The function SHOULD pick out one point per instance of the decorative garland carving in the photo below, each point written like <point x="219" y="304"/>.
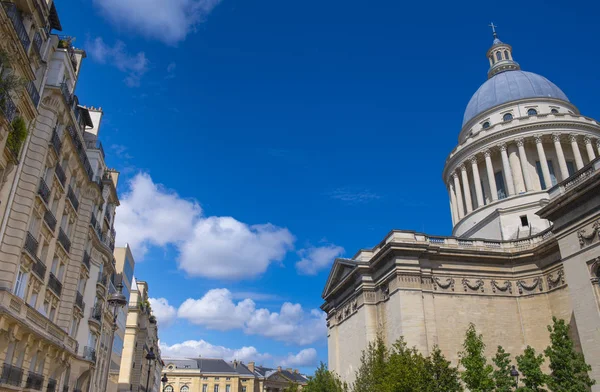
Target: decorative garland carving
<point x="448" y="285"/>
<point x="506" y="287"/>
<point x="347" y="311"/>
<point x="537" y="282"/>
<point x="584" y="238"/>
<point x="476" y="287"/>
<point x="555" y="282"/>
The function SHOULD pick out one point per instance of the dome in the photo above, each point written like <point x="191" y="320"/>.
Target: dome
<point x="510" y="86"/>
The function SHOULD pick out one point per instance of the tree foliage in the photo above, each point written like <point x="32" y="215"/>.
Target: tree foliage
<point x="17" y="136"/>
<point x="371" y="373"/>
<point x="440" y="375"/>
<point x="477" y="374"/>
<point x="530" y="367"/>
<point x="324" y="381"/>
<point x="503" y="381"/>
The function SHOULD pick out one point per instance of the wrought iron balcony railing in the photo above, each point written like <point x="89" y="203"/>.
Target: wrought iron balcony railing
<point x="15" y="18"/>
<point x="34" y="381"/>
<point x="60" y="174"/>
<point x="54" y="284"/>
<point x="31" y="245"/>
<point x="64" y="240"/>
<point x="11" y="375"/>
<point x="33" y="93"/>
<point x="102" y="279"/>
<point x="44" y="191"/>
<point x="8" y="107"/>
<point x="86" y="260"/>
<point x="96" y="313"/>
<point x="52" y="384"/>
<point x="39" y="268"/>
<point x="89" y="353"/>
<point x="50" y="220"/>
<point x="66" y="93"/>
<point x="79" y="147"/>
<point x="79" y="301"/>
<point x="55" y="141"/>
<point x="72" y="198"/>
<point x="37" y="42"/>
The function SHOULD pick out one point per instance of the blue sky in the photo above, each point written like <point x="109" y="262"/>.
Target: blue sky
<point x="259" y="140"/>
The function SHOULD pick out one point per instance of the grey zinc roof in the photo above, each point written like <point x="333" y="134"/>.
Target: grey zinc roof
<point x="214" y="366"/>
<point x="182" y="363"/>
<point x="242" y="369"/>
<point x="510" y="86"/>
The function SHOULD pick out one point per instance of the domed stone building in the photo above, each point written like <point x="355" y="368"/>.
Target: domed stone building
<point x="524" y="190"/>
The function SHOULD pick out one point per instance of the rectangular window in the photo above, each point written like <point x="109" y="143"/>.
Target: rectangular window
<point x="216" y="378"/>
<point x="243" y="389"/>
<point x="524" y="221"/>
<point x="571" y="168"/>
<point x="216" y="388"/>
<point x="540" y="173"/>
<point x="52" y="313"/>
<point x="552" y="175"/>
<point x="500" y="185"/>
<point x="227" y="378"/>
<point x="204" y="388"/>
<point x="33" y="299"/>
<point x="21" y="283"/>
<point x="228" y="388"/>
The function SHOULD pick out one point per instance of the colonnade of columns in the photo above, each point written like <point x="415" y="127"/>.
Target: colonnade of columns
<point x="516" y="176"/>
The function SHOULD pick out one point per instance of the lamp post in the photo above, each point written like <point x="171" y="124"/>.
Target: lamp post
<point x="150" y="357"/>
<point x="515" y="373"/>
<point x="115" y="302"/>
<point x="164" y="380"/>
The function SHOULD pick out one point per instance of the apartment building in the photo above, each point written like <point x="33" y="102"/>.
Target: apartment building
<point x="141" y="361"/>
<point x="57" y="210"/>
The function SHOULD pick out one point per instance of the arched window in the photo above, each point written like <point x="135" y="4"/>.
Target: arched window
<point x="506" y="55"/>
<point x="498" y="56"/>
<point x="169" y="388"/>
<point x="507" y="117"/>
<point x="185" y="388"/>
<point x="554" y="111"/>
<point x="532" y="112"/>
<point x="486" y="125"/>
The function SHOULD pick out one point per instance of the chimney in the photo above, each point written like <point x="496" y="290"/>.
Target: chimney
<point x="251" y="366"/>
<point x="295" y="371"/>
<point x="289" y="369"/>
<point x="235" y="363"/>
<point x="278" y="368"/>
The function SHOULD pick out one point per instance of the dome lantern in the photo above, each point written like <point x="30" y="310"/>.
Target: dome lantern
<point x="500" y="56"/>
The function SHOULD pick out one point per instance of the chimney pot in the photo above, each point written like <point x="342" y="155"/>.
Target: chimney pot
<point x="278" y="368"/>
<point x="251" y="366"/>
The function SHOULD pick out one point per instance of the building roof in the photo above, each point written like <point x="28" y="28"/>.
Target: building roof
<point x="265" y="372"/>
<point x="209" y="365"/>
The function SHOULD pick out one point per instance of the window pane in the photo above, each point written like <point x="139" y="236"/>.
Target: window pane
<point x="540" y="173"/>
<point x="552" y="175"/>
<point x="570" y="168"/>
<point x="500" y="185"/>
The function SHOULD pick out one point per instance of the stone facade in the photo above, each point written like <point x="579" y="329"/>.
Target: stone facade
<point x="523" y="251"/>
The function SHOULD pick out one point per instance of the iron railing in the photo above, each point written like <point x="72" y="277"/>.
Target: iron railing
<point x="86" y="259"/>
<point x="31" y="245"/>
<point x="60" y="174"/>
<point x="33" y="93"/>
<point x="89" y="353"/>
<point x="102" y="279"/>
<point x="80" y="148"/>
<point x="15" y="18"/>
<point x="44" y="191"/>
<point x="34" y="381"/>
<point x="64" y="240"/>
<point x="37" y="42"/>
<point x="50" y="220"/>
<point x="72" y="198"/>
<point x="8" y="107"/>
<point x="11" y="375"/>
<point x="79" y="301"/>
<point x="54" y="284"/>
<point x="39" y="268"/>
<point x="66" y="93"/>
<point x="96" y="313"/>
<point x="55" y="141"/>
<point x="51" y="387"/>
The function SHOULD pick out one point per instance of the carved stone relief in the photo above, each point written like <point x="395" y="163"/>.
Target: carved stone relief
<point x="505" y="287"/>
<point x="557" y="281"/>
<point x="535" y="283"/>
<point x="449" y="284"/>
<point x="475" y="287"/>
<point x="585" y="238"/>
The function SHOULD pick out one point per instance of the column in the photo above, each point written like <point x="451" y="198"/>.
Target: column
<point x="490" y="174"/>
<point x="453" y="206"/>
<point x="543" y="160"/>
<point x="524" y="165"/>
<point x="459" y="199"/>
<point x="598" y="146"/>
<point x="515" y="165"/>
<point x="510" y="185"/>
<point x="466" y="188"/>
<point x="588" y="146"/>
<point x="477" y="181"/>
<point x="564" y="171"/>
<point x="576" y="153"/>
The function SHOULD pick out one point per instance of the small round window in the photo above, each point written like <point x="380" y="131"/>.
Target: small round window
<point x="532" y="112"/>
<point x="554" y="111"/>
<point x="169" y="388"/>
<point x="507" y="117"/>
<point x="486" y="125"/>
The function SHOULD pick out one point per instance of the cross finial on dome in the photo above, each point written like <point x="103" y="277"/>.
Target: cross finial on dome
<point x="493" y="26"/>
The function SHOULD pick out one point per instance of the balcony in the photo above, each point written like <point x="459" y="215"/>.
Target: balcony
<point x="50" y="220"/>
<point x="33" y="93"/>
<point x="34" y="381"/>
<point x="96" y="314"/>
<point x="64" y="89"/>
<point x="63" y="239"/>
<point x="39" y="268"/>
<point x="102" y="279"/>
<point x="56" y="143"/>
<point x="44" y="191"/>
<point x="65" y="43"/>
<point x="95" y="145"/>
<point x="79" y="147"/>
<point x="86" y="260"/>
<point x="55" y="285"/>
<point x="11" y="375"/>
<point x="8" y="107"/>
<point x="72" y="198"/>
<point x="89" y="353"/>
<point x="79" y="301"/>
<point x="60" y="174"/>
<point x="15" y="18"/>
<point x="37" y="42"/>
<point x="52" y="385"/>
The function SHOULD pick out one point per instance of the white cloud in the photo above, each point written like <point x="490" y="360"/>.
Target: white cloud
<point x="305" y="358"/>
<point x="196" y="348"/>
<point x="164" y="312"/>
<point x="315" y="259"/>
<point x="169" y="21"/>
<point x="134" y="65"/>
<point x="212" y="247"/>
<point x="216" y="310"/>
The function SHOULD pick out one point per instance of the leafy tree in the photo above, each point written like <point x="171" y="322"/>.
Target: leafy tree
<point x="371" y="374"/>
<point x="502" y="379"/>
<point x="324" y="381"/>
<point x="9" y="81"/>
<point x="477" y="375"/>
<point x="440" y="376"/>
<point x="569" y="369"/>
<point x="17" y="136"/>
<point x="405" y="369"/>
<point x="292" y="387"/>
<point x="530" y="366"/>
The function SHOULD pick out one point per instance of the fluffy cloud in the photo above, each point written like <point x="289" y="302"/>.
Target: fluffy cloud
<point x="169" y="21"/>
<point x="134" y="65"/>
<point x="306" y="357"/>
<point x="164" y="312"/>
<point x="213" y="247"/>
<point x="315" y="259"/>
<point x="196" y="348"/>
<point x="216" y="310"/>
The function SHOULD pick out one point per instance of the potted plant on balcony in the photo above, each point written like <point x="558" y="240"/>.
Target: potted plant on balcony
<point x="65" y="42"/>
<point x="17" y="136"/>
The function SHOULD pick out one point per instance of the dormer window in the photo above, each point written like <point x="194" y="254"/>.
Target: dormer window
<point x="507" y="117"/>
<point x="532" y="112"/>
<point x="485" y="125"/>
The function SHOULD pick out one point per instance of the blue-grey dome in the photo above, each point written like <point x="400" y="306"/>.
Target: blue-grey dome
<point x="510" y="86"/>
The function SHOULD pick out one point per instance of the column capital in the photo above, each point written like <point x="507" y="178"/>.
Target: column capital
<point x="587" y="140"/>
<point x="537" y="138"/>
<point x="556" y="137"/>
<point x="520" y="142"/>
<point x="502" y="146"/>
<point x="463" y="168"/>
<point x="455" y="175"/>
<point x="473" y="160"/>
<point x="598" y="143"/>
<point x="573" y="138"/>
<point x="487" y="153"/>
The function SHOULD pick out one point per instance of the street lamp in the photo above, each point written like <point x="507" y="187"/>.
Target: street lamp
<point x="164" y="380"/>
<point x="115" y="302"/>
<point x="150" y="357"/>
<point x="515" y="373"/>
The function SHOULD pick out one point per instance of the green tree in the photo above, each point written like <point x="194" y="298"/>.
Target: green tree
<point x="530" y="367"/>
<point x="405" y="369"/>
<point x="292" y="387"/>
<point x="502" y="378"/>
<point x="440" y="376"/>
<point x="324" y="381"/>
<point x="569" y="371"/>
<point x="371" y="375"/>
<point x="477" y="374"/>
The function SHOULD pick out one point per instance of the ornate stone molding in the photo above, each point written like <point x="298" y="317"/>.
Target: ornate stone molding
<point x="555" y="282"/>
<point x="556" y="137"/>
<point x="445" y="286"/>
<point x="463" y="168"/>
<point x="520" y="142"/>
<point x="587" y="140"/>
<point x="537" y="138"/>
<point x="502" y="147"/>
<point x="507" y="286"/>
<point x="584" y="238"/>
<point x="536" y="283"/>
<point x="573" y="138"/>
<point x="473" y="160"/>
<point x="479" y="285"/>
<point x="487" y="153"/>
